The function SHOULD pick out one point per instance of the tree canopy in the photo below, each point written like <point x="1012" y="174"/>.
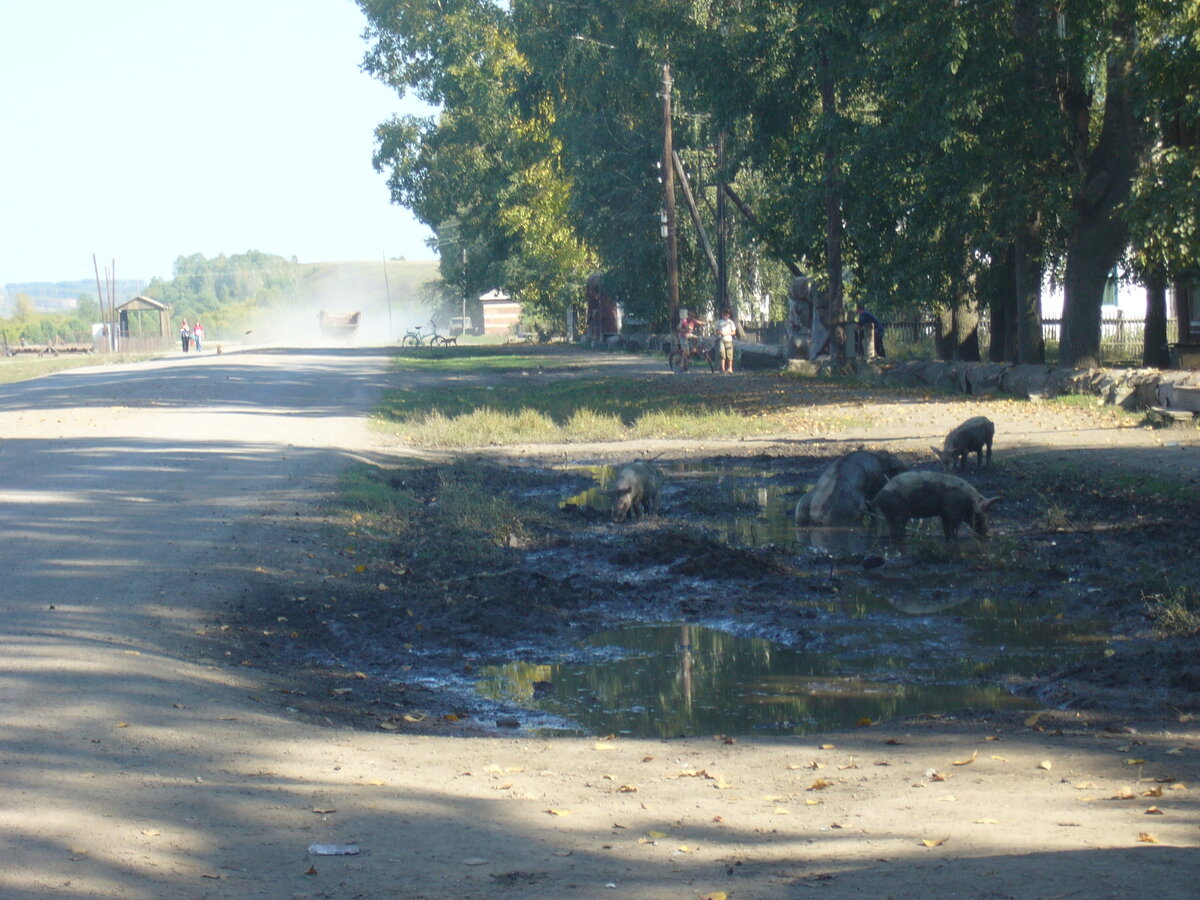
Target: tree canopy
<point x="946" y="157"/>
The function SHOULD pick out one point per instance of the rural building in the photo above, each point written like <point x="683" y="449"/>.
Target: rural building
<point x="501" y="313"/>
<point x="143" y="324"/>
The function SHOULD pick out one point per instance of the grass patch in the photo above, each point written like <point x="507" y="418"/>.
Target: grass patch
<point x="508" y="408"/>
<point x="1174" y="610"/>
<point x="24" y="367"/>
<point x="473" y="358"/>
<point x="451" y="514"/>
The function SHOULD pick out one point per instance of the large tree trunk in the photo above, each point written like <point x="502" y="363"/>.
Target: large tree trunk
<point x="1099" y="233"/>
<point x="966" y="331"/>
<point x="1002" y="304"/>
<point x="1154" y="350"/>
<point x="1027" y="280"/>
<point x="833" y="213"/>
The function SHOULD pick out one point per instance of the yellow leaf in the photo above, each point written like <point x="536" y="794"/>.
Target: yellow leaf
<point x="987" y="821"/>
<point x="360" y="568"/>
<point x="864" y="722"/>
<point x="780" y="811"/>
<point x="999" y="758"/>
<point x="966" y="762"/>
<point x="1153" y="792"/>
<point x="935" y="842"/>
<point x="122" y="724"/>
<point x="558" y="812"/>
<point x="811" y="802"/>
<point x="828" y="746"/>
<point x="1135" y="762"/>
<point x="1147" y="838"/>
<point x="656" y="835"/>
<point x="819" y="785"/>
<point x="715" y="895"/>
<point x="1154" y="811"/>
<point x="627" y="789"/>
<point x="605" y="747"/>
<point x="1045" y="764"/>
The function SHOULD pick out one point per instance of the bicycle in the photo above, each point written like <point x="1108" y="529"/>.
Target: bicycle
<point x="414" y="337"/>
<point x="700" y="350"/>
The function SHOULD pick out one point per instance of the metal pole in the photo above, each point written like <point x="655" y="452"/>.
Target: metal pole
<point x="387" y="287"/>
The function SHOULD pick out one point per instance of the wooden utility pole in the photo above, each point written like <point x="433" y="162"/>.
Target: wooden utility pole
<point x="668" y="170"/>
<point x="722" y="229"/>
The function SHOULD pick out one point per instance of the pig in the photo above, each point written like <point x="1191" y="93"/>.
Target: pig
<point x="840" y="495"/>
<point x="922" y="495"/>
<point x="972" y="436"/>
<point x="636" y="491"/>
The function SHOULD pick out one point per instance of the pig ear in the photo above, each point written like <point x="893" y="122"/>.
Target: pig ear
<point x="987" y="504"/>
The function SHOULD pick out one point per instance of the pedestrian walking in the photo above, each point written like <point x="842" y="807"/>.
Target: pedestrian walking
<point x="185" y="335"/>
<point x="198" y="336"/>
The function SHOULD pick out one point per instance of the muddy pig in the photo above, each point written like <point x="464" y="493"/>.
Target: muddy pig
<point x="637" y="490"/>
<point x="972" y="436"/>
<point x="922" y="495"/>
<point x="841" y="493"/>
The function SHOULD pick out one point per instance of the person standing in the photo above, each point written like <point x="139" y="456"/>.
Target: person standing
<point x="198" y="336"/>
<point x="185" y="335"/>
<point x="865" y="317"/>
<point x="726" y="331"/>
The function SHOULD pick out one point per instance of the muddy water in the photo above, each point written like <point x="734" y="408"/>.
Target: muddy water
<point x="665" y="680"/>
<point x="889" y="644"/>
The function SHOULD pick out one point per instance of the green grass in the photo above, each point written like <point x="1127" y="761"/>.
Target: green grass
<point x="1174" y="609"/>
<point x="23" y="367"/>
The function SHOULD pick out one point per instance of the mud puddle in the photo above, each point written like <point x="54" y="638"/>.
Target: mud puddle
<point x="893" y="642"/>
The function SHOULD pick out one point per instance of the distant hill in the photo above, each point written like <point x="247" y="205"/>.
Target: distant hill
<point x="59" y="296"/>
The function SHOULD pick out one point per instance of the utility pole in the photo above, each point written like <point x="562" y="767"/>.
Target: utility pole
<point x="388" y="288"/>
<point x="668" y="171"/>
<point x="722" y="228"/>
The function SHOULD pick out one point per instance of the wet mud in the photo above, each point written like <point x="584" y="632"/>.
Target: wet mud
<point x="716" y="615"/>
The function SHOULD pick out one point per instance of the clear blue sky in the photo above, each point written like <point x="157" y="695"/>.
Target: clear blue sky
<point x="144" y="130"/>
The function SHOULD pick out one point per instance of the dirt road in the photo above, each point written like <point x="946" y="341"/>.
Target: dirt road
<point x="140" y="759"/>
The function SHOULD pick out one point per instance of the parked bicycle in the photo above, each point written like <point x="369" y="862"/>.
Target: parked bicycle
<point x="702" y="351"/>
<point x="416" y="337"/>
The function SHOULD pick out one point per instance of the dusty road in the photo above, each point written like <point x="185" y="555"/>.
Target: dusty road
<point x="138" y="760"/>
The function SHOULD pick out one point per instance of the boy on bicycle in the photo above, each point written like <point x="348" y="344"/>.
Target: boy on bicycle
<point x="689" y="337"/>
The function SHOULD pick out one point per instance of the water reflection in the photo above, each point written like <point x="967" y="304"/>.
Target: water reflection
<point x="669" y="680"/>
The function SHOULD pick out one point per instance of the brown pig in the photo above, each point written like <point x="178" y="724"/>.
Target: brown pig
<point x="636" y="490"/>
<point x="839" y="498"/>
<point x="972" y="436"/>
<point x="923" y="495"/>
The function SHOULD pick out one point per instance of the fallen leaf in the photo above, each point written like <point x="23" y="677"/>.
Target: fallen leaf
<point x="324" y="810"/>
<point x="715" y="895"/>
<point x="312" y="870"/>
<point x="1135" y="762"/>
<point x="656" y="835"/>
<point x="151" y="832"/>
<point x="864" y="722"/>
<point x="829" y="746"/>
<point x="966" y="762"/>
<point x="1147" y="838"/>
<point x="936" y="842"/>
<point x="999" y="758"/>
<point x="122" y="724"/>
<point x="1032" y="721"/>
<point x="1154" y="811"/>
<point x="987" y="821"/>
<point x="1045" y="764"/>
<point x="780" y="811"/>
<point x="558" y="812"/>
<point x="1153" y="792"/>
<point x="819" y="785"/>
<point x="1125" y="793"/>
<point x="601" y="746"/>
<point x="627" y="789"/>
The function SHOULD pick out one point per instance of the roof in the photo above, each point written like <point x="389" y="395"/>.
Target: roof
<point x="141" y="302"/>
<point x="494" y="294"/>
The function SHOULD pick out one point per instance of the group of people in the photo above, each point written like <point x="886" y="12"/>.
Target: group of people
<point x="191" y="336"/>
<point x="689" y="338"/>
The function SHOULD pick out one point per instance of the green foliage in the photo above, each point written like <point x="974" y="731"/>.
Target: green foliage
<point x="941" y="137"/>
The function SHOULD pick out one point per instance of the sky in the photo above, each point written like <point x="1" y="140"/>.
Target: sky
<point x="145" y="130"/>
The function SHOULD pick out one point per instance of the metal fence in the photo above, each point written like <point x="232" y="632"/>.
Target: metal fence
<point x="1121" y="339"/>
